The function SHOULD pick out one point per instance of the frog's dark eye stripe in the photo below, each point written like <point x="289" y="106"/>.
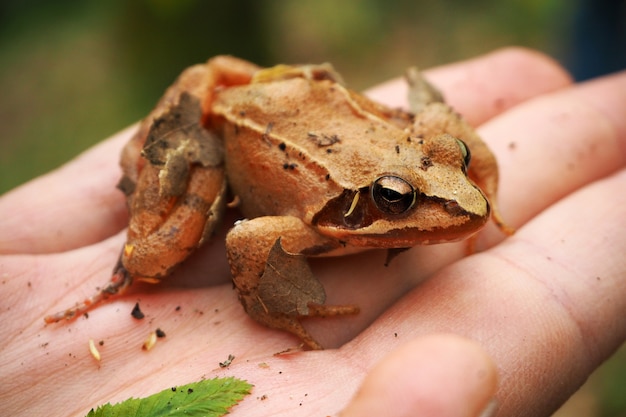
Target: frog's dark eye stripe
<point x="393" y="195"/>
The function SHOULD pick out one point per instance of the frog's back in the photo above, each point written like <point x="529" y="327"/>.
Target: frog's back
<point x="292" y="145"/>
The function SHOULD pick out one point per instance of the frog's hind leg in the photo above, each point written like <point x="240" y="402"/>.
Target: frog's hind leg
<point x="268" y="259"/>
<point x="173" y="178"/>
<point x="117" y="285"/>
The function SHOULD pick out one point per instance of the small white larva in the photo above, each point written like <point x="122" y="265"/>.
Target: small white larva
<point x="150" y="341"/>
<point x="94" y="350"/>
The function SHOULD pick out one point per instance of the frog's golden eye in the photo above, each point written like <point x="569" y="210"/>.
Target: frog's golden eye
<point x="465" y="152"/>
<point x="393" y="195"/>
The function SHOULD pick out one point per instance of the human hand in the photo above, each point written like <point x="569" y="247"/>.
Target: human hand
<point x="543" y="308"/>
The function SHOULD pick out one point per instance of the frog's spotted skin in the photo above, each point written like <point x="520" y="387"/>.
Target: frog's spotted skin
<point x="317" y="168"/>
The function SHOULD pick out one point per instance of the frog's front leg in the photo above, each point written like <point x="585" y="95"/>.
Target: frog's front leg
<point x="268" y="259"/>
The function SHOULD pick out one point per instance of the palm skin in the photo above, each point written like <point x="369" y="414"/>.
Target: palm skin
<point x="532" y="315"/>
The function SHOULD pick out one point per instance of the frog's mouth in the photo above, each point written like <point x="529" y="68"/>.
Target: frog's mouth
<point x="354" y="218"/>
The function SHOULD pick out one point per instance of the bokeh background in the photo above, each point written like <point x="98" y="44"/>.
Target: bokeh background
<point x="74" y="72"/>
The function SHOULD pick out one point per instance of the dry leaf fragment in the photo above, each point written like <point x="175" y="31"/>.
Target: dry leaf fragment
<point x="177" y="140"/>
<point x="227" y="362"/>
<point x="137" y="313"/>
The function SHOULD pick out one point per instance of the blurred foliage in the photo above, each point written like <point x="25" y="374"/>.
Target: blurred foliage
<point x="609" y="386"/>
<point x="74" y="72"/>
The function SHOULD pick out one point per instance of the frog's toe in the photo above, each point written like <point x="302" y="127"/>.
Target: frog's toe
<point x="322" y="310"/>
<point x="290" y="324"/>
<point x="117" y="285"/>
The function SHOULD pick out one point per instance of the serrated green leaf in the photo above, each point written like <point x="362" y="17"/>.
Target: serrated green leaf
<point x="207" y="398"/>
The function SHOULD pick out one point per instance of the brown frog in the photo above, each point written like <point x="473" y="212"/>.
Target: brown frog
<point x="316" y="169"/>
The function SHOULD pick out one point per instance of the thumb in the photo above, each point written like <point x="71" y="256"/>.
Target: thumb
<point x="438" y="375"/>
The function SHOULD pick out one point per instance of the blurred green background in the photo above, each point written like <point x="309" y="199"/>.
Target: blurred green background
<point x="74" y="72"/>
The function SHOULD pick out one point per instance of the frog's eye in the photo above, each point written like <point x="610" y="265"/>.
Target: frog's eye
<point x="465" y="152"/>
<point x="393" y="195"/>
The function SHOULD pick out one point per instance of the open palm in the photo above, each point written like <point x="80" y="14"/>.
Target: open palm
<point x="542" y="308"/>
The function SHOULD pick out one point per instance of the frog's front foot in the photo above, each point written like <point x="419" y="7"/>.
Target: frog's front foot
<point x="291" y="323"/>
<point x="271" y="273"/>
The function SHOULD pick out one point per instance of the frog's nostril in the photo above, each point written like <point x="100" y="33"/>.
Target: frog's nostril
<point x="453" y="208"/>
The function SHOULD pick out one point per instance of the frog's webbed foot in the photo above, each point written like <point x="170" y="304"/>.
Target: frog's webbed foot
<point x="293" y="325"/>
<point x="117" y="285"/>
<point x="276" y="286"/>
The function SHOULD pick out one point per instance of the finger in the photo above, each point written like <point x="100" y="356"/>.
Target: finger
<point x="483" y="87"/>
<point x="438" y="375"/>
<point x="572" y="256"/>
<point x="557" y="143"/>
<point x="547" y="305"/>
<point x="75" y="205"/>
<point x="578" y="248"/>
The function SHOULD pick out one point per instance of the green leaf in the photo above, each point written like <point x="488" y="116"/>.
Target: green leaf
<point x="207" y="398"/>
